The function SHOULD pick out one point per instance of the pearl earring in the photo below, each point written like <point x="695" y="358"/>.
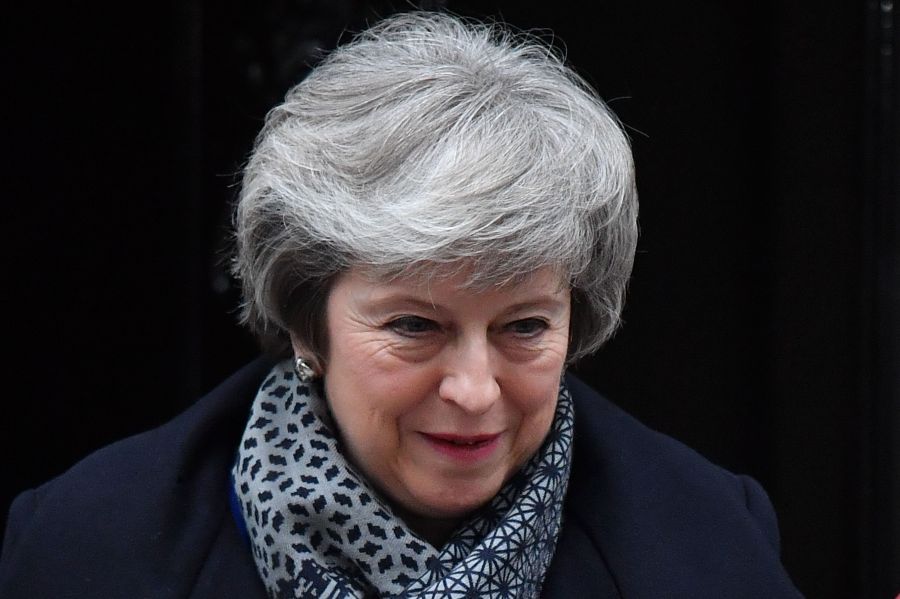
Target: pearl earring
<point x="304" y="371"/>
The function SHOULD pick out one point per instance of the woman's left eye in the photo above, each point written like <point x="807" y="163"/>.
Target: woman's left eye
<point x="527" y="327"/>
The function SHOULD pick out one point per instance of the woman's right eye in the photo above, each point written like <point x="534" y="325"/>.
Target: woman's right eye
<point x="412" y="326"/>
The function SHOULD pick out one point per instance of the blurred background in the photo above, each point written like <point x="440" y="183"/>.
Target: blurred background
<point x="763" y="324"/>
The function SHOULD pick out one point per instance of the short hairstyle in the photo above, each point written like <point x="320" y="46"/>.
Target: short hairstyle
<point x="430" y="142"/>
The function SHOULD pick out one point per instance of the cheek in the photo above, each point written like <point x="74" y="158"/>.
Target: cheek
<point x="368" y="361"/>
<point x="532" y="431"/>
<point x="377" y="390"/>
<point x="539" y="409"/>
<point x="535" y="386"/>
<point x="372" y="396"/>
<point x="534" y="398"/>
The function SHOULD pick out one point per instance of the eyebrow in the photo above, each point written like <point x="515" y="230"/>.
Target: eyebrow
<point x="400" y="300"/>
<point x="547" y="302"/>
<point x="553" y="304"/>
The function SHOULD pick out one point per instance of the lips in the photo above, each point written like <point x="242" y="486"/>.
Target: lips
<point x="466" y="448"/>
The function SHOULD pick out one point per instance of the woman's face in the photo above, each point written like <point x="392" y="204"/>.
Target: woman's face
<point x="442" y="393"/>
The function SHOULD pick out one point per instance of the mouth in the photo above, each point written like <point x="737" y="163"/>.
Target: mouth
<point x="463" y="447"/>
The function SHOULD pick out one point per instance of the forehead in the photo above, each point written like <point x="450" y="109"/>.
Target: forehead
<point x="462" y="279"/>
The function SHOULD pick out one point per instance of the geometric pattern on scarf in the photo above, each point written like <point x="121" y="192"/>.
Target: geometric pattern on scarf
<point x="318" y="529"/>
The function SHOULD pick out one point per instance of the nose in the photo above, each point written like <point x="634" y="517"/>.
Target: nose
<point x="469" y="379"/>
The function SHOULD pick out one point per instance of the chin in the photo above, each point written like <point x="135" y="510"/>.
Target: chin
<point x="454" y="503"/>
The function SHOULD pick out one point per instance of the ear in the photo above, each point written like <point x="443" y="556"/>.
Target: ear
<point x="301" y="350"/>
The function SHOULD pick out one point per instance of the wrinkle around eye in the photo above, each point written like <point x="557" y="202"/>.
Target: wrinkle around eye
<point x="547" y="344"/>
<point x="390" y="347"/>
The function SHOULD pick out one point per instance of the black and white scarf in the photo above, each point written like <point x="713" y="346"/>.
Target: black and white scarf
<point x="318" y="529"/>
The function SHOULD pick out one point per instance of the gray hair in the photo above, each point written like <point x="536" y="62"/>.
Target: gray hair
<point x="428" y="143"/>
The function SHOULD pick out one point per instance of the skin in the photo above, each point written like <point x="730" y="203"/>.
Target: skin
<point x="410" y="359"/>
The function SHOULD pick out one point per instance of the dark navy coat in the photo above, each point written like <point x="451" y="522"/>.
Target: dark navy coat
<point x="645" y="517"/>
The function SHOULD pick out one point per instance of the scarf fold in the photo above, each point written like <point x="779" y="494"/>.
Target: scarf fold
<point x="318" y="529"/>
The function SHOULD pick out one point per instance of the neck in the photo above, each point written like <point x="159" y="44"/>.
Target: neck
<point x="436" y="531"/>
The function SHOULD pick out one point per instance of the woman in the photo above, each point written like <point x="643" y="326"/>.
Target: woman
<point x="432" y="225"/>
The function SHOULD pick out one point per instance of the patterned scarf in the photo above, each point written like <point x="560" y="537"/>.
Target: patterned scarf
<point x="318" y="529"/>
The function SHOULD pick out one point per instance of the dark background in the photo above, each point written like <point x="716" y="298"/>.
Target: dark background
<point x="763" y="324"/>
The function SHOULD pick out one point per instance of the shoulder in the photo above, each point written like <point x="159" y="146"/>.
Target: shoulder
<point x="136" y="513"/>
<point x="634" y="460"/>
<point x="664" y="520"/>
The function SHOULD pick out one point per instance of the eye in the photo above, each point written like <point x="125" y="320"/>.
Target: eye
<point x="412" y="326"/>
<point x="527" y="327"/>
